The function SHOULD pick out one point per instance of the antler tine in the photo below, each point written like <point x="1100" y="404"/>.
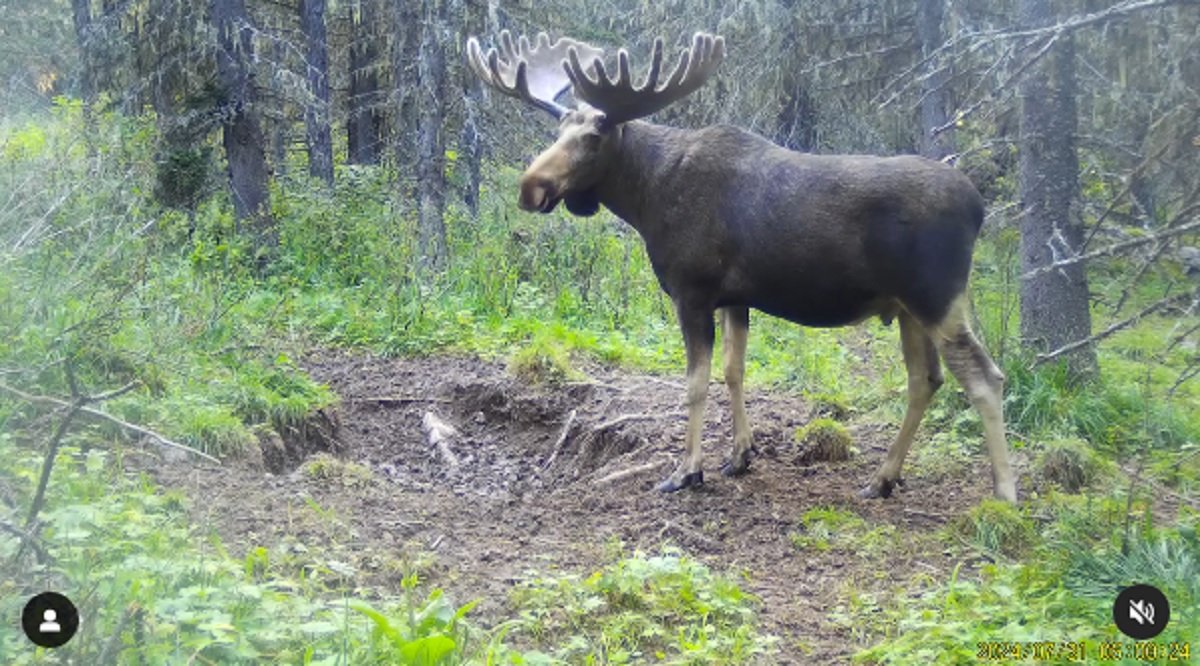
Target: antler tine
<point x="529" y="72"/>
<point x="621" y="101"/>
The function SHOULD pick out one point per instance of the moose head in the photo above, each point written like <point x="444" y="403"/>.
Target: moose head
<point x="541" y="72"/>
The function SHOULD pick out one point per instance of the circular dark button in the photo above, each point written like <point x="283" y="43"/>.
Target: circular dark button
<point x="1141" y="612"/>
<point x="50" y="619"/>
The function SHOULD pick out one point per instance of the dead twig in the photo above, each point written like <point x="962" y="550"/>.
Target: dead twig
<point x="626" y="473"/>
<point x="27" y="539"/>
<point x="562" y="439"/>
<point x="689" y="535"/>
<point x="439" y="433"/>
<point x="624" y="418"/>
<point x="396" y="400"/>
<point x="1114" y="328"/>
<point x="96" y="413"/>
<point x="112" y="644"/>
<point x="928" y="516"/>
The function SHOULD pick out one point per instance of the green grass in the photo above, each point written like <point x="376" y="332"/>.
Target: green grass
<point x="826" y="529"/>
<point x="98" y="277"/>
<point x="665" y="608"/>
<point x="1061" y="590"/>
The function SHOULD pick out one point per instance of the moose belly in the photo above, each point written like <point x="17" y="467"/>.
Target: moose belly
<point x="813" y="307"/>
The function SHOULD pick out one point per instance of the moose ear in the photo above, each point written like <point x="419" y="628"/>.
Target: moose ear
<point x="583" y="204"/>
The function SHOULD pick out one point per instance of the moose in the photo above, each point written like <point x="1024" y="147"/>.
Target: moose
<point x="732" y="221"/>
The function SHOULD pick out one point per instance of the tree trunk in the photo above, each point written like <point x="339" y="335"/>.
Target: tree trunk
<point x="243" y="140"/>
<point x="279" y="126"/>
<point x="405" y="59"/>
<point x="1054" y="305"/>
<point x="431" y="168"/>
<point x="470" y="143"/>
<point x="935" y="95"/>
<point x="82" y="15"/>
<point x="316" y="112"/>
<point x="364" y="123"/>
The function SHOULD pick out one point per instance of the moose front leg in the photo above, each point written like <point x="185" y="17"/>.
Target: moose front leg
<point x="697" y="325"/>
<point x="735" y="325"/>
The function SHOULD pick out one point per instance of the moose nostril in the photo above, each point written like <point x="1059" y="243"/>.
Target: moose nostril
<point x="535" y="194"/>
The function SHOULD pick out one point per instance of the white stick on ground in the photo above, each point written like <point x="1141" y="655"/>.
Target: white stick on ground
<point x="439" y="433"/>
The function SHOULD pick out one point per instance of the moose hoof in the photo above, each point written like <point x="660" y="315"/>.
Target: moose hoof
<point x="736" y="466"/>
<point x="1007" y="492"/>
<point x="670" y="484"/>
<point x="881" y="489"/>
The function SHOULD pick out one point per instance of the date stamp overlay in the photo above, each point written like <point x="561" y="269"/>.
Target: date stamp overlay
<point x="1140" y="612"/>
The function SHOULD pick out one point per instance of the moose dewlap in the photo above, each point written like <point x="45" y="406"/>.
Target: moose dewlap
<point x="733" y="222"/>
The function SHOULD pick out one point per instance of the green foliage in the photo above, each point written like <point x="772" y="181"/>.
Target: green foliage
<point x="154" y="590"/>
<point x="824" y="440"/>
<point x="543" y="360"/>
<point x="326" y="468"/>
<point x="664" y="608"/>
<point x="1070" y="464"/>
<point x="996" y="526"/>
<point x="826" y="529"/>
<point x="1062" y="591"/>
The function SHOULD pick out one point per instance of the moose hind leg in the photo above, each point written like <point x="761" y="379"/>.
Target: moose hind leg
<point x="924" y="378"/>
<point x="698" y="333"/>
<point x="735" y="325"/>
<point x="984" y="384"/>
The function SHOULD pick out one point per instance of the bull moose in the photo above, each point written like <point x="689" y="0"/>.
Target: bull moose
<point x="732" y="221"/>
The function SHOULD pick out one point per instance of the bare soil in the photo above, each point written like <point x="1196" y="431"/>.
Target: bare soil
<point x="513" y="503"/>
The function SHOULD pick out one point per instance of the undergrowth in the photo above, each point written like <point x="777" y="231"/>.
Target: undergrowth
<point x="101" y="288"/>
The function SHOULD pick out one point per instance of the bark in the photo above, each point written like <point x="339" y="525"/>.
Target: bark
<point x="935" y="95"/>
<point x="1054" y="304"/>
<point x="316" y="112"/>
<point x="364" y="123"/>
<point x="405" y="74"/>
<point x="243" y="139"/>
<point x="470" y="143"/>
<point x="431" y="167"/>
<point x="82" y="16"/>
<point x="279" y="126"/>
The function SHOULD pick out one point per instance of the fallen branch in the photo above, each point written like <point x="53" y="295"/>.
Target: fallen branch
<point x="1123" y="324"/>
<point x="111" y="646"/>
<point x="1113" y="249"/>
<point x="624" y="418"/>
<point x="562" y="439"/>
<point x="439" y="433"/>
<point x="396" y="400"/>
<point x="626" y="473"/>
<point x="687" y="534"/>
<point x="96" y="413"/>
<point x="29" y="540"/>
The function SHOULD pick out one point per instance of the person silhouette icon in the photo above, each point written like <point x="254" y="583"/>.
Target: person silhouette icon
<point x="50" y="620"/>
<point x="49" y="624"/>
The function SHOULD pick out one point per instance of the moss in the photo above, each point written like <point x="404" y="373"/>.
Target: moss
<point x="1070" y="464"/>
<point x="997" y="527"/>
<point x="823" y="440"/>
<point x="324" y="467"/>
<point x="542" y="361"/>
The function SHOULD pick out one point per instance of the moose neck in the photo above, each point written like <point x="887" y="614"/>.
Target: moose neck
<point x="644" y="155"/>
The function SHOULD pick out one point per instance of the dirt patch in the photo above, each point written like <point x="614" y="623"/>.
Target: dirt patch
<point x="543" y="478"/>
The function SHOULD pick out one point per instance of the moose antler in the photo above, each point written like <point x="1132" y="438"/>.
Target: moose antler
<point x="620" y="100"/>
<point x="533" y="74"/>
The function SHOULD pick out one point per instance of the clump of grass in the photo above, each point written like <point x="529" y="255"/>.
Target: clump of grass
<point x="642" y="609"/>
<point x="829" y="405"/>
<point x="827" y="528"/>
<point x="997" y="527"/>
<point x="1070" y="464"/>
<point x="823" y="440"/>
<point x="347" y="473"/>
<point x="542" y="361"/>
